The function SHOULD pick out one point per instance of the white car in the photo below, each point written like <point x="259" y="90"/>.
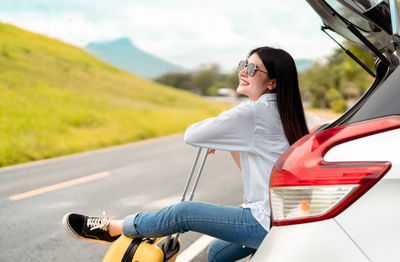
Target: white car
<point x="335" y="194"/>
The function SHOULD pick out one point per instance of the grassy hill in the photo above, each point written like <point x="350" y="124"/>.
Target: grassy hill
<point x="57" y="99"/>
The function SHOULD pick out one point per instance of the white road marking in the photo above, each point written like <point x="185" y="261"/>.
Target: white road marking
<point x="59" y="186"/>
<point x="191" y="252"/>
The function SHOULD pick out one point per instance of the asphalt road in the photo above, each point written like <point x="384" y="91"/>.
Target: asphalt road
<point x="142" y="176"/>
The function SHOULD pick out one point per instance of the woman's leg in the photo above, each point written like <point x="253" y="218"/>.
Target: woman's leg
<point x="224" y="251"/>
<point x="115" y="227"/>
<point x="232" y="224"/>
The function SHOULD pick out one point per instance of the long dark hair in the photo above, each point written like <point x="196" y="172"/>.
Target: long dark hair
<point x="280" y="66"/>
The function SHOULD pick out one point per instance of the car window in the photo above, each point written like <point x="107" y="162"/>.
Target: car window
<point x="383" y="101"/>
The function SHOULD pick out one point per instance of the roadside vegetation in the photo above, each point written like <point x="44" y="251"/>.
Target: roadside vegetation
<point x="57" y="99"/>
<point x="337" y="82"/>
<point x="206" y="80"/>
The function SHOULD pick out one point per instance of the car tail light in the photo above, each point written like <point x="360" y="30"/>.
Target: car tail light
<point x="305" y="188"/>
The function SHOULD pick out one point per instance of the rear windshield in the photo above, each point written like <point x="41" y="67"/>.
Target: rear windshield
<point x="384" y="101"/>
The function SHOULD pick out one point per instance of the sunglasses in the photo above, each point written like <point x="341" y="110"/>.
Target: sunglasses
<point x="251" y="68"/>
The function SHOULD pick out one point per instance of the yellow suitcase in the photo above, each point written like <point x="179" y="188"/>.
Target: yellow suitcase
<point x="126" y="249"/>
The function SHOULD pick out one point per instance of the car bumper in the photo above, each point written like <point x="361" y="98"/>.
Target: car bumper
<point x="318" y="241"/>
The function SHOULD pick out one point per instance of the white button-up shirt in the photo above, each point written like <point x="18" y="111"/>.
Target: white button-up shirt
<point x="255" y="130"/>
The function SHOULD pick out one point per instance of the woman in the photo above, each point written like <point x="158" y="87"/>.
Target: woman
<point x="257" y="133"/>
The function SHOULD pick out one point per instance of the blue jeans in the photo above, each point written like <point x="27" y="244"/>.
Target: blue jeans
<point x="239" y="233"/>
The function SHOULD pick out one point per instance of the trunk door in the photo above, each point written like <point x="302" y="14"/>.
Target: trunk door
<point x="377" y="23"/>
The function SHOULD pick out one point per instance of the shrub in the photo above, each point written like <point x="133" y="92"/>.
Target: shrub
<point x="339" y="105"/>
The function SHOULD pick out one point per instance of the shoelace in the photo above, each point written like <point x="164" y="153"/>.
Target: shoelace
<point x="98" y="222"/>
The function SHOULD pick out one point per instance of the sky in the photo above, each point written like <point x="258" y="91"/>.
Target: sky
<point x="188" y="33"/>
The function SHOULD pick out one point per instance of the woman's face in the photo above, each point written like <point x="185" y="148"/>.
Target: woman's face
<point x="256" y="85"/>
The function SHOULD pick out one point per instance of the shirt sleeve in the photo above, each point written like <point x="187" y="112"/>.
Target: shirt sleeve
<point x="232" y="130"/>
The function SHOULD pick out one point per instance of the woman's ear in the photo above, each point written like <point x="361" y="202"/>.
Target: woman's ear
<point x="271" y="85"/>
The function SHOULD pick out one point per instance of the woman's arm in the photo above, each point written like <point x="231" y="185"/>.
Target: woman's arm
<point x="236" y="158"/>
<point x="232" y="130"/>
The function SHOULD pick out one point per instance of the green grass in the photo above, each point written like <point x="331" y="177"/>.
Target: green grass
<point x="57" y="99"/>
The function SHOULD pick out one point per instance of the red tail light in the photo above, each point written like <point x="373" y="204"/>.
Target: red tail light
<point x="305" y="188"/>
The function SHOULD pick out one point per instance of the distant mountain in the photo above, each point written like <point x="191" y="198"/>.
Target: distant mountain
<point x="124" y="54"/>
<point x="303" y="64"/>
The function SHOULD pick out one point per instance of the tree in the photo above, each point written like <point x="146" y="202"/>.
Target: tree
<point x="177" y="80"/>
<point x="338" y="80"/>
<point x="205" y="77"/>
<point x="232" y="80"/>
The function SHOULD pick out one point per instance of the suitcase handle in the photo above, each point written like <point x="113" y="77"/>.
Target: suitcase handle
<point x="191" y="173"/>
<point x="198" y="175"/>
<point x="193" y="188"/>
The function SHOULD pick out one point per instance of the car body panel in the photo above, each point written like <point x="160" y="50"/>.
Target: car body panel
<point x="379" y="147"/>
<point x="367" y="220"/>
<point x="373" y="221"/>
<point x="317" y="241"/>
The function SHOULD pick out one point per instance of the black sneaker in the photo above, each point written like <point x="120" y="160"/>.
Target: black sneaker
<point x="88" y="228"/>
